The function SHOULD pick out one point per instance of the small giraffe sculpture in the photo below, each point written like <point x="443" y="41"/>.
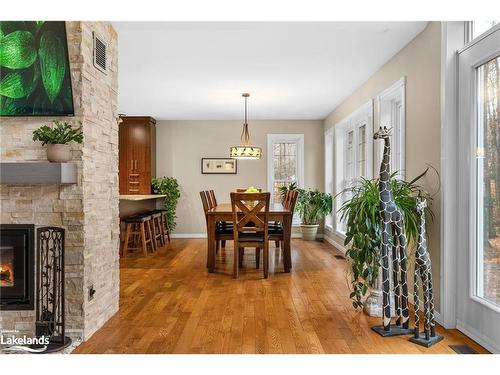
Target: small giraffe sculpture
<point x="392" y="225"/>
<point x="424" y="274"/>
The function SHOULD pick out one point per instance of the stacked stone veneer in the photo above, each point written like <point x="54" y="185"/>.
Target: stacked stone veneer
<point x="87" y="210"/>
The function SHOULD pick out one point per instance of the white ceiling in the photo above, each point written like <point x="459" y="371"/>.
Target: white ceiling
<point x="293" y="70"/>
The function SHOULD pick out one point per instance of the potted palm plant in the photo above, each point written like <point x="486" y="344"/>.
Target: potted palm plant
<point x="312" y="206"/>
<point x="360" y="212"/>
<point x="57" y="138"/>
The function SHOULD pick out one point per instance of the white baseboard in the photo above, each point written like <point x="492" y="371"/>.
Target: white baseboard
<point x="204" y="235"/>
<point x="335" y="244"/>
<point x="188" y="235"/>
<point x="478" y="337"/>
<point x="437" y="318"/>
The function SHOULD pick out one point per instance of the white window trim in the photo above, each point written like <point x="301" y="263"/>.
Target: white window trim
<point x="329" y="136"/>
<point x="397" y="89"/>
<point x="284" y="138"/>
<point x="341" y="129"/>
<point x="453" y="37"/>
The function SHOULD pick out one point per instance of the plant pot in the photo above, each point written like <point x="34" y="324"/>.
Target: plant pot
<point x="58" y="153"/>
<point x="309" y="231"/>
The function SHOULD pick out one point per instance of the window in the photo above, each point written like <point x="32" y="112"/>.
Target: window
<point x="329" y="171"/>
<point x="487" y="182"/>
<point x="353" y="155"/>
<point x="285" y="163"/>
<point x="391" y="105"/>
<point x="476" y="28"/>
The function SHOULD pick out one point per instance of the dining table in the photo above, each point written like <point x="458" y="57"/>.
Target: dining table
<point x="223" y="212"/>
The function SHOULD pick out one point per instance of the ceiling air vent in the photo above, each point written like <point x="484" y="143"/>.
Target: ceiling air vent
<point x="100" y="50"/>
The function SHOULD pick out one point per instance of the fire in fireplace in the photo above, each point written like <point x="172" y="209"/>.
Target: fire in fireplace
<point x="16" y="266"/>
<point x="6" y="266"/>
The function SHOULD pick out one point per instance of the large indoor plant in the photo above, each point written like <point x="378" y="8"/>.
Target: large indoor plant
<point x="57" y="138"/>
<point x="287" y="187"/>
<point x="312" y="206"/>
<point x="360" y="212"/>
<point x="169" y="187"/>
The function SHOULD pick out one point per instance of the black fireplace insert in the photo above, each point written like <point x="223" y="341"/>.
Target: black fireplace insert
<point x="17" y="271"/>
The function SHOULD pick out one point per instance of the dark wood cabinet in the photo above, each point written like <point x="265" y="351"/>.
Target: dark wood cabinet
<point x="137" y="151"/>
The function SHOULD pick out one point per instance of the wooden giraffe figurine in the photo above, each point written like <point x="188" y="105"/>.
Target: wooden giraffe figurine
<point x="392" y="225"/>
<point x="423" y="273"/>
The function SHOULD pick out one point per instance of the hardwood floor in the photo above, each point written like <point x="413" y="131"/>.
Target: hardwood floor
<point x="170" y="304"/>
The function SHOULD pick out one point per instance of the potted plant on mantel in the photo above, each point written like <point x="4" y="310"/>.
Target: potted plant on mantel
<point x="312" y="206"/>
<point x="57" y="138"/>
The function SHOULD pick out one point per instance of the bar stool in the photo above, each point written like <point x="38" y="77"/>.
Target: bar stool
<point x="164" y="223"/>
<point x="138" y="226"/>
<point x="158" y="230"/>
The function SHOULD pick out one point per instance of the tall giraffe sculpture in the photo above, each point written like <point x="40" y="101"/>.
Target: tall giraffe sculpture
<point x="392" y="225"/>
<point x="424" y="275"/>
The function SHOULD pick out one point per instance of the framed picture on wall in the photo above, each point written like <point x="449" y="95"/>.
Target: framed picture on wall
<point x="219" y="166"/>
<point x="35" y="69"/>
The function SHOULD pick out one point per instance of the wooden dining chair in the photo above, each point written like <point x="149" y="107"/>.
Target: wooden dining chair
<point x="212" y="198"/>
<point x="285" y="201"/>
<point x="250" y="229"/>
<point x="224" y="224"/>
<point x="222" y="232"/>
<point x="276" y="230"/>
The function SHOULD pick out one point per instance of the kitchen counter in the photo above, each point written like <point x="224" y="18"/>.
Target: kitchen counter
<point x="137" y="203"/>
<point x="140" y="197"/>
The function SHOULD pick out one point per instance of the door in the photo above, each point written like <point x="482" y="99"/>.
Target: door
<point x="478" y="260"/>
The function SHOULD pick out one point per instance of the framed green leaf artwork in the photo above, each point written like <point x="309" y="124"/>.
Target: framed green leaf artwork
<point x="35" y="77"/>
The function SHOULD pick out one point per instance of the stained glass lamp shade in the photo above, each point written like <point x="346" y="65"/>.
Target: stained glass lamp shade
<point x="245" y="150"/>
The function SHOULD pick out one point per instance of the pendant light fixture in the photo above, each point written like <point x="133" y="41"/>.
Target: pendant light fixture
<point x="244" y="150"/>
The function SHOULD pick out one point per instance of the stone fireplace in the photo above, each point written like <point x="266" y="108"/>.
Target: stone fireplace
<point x="87" y="209"/>
<point x="17" y="270"/>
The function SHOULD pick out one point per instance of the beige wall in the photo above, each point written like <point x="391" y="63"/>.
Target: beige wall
<point x="420" y="63"/>
<point x="182" y="144"/>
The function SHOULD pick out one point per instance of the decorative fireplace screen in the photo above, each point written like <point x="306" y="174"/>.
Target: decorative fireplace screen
<point x="50" y="298"/>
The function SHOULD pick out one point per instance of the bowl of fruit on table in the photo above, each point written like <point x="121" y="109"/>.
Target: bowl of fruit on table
<point x="251" y="189"/>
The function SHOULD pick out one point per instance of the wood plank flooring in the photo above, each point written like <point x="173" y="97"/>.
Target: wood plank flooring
<point x="169" y="303"/>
